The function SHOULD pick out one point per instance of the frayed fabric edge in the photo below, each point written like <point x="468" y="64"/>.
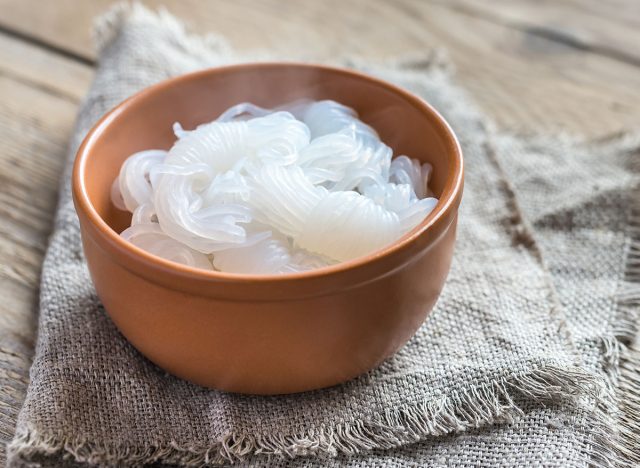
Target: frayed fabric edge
<point x="614" y="436"/>
<point x="628" y="382"/>
<point x="612" y="421"/>
<point x="480" y="406"/>
<point x="108" y="25"/>
<point x="629" y="395"/>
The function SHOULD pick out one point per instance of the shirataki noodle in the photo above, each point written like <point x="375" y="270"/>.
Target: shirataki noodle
<point x="268" y="191"/>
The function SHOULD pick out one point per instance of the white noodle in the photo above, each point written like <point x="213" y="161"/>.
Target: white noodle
<point x="266" y="191"/>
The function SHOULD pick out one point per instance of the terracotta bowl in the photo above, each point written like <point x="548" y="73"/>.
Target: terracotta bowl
<point x="266" y="334"/>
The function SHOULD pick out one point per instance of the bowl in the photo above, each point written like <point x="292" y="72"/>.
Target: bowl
<point x="269" y="334"/>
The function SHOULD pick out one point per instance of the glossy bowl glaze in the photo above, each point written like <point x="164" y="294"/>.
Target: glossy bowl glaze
<point x="267" y="334"/>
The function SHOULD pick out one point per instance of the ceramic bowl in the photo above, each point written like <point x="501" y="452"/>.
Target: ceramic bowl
<point x="267" y="334"/>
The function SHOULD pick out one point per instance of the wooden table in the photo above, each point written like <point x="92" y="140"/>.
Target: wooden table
<point x="547" y="65"/>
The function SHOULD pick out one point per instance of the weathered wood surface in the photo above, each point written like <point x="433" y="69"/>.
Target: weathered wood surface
<point x="39" y="94"/>
<point x="610" y="28"/>
<point x="570" y="65"/>
<point x="517" y="57"/>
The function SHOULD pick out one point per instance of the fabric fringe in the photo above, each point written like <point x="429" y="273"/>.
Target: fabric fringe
<point x="629" y="395"/>
<point x="628" y="382"/>
<point x="474" y="408"/>
<point x="493" y="403"/>
<point x="614" y="416"/>
<point x="108" y="25"/>
<point x="615" y="436"/>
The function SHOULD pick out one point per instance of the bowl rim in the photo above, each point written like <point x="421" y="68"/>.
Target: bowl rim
<point x="448" y="201"/>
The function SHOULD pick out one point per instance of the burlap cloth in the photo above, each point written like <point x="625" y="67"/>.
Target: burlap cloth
<point x="522" y="363"/>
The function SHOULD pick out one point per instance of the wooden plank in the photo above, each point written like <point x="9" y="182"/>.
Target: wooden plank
<point x="64" y="24"/>
<point x="611" y="28"/>
<point x="524" y="77"/>
<point x="526" y="81"/>
<point x="39" y="96"/>
<point x="612" y="25"/>
<point x="325" y="28"/>
<point x="530" y="83"/>
<point x="65" y="78"/>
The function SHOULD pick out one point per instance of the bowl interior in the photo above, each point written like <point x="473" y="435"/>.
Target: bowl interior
<point x="145" y="122"/>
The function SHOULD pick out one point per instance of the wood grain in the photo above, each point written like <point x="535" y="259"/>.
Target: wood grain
<point x="534" y="65"/>
<point x="39" y="68"/>
<point x="610" y="28"/>
<point x="526" y="80"/>
<point x="39" y="96"/>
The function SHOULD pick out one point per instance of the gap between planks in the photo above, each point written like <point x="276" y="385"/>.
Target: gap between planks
<point x="507" y="15"/>
<point x="562" y="35"/>
<point x="39" y="95"/>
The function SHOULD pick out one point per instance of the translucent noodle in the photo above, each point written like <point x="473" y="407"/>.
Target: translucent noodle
<point x="271" y="191"/>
